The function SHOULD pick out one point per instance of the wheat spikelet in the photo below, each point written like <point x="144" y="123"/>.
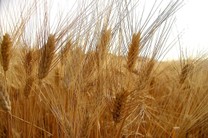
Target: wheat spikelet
<point x="46" y="57"/>
<point x="133" y="51"/>
<point x="5" y="51"/>
<point x="5" y="103"/>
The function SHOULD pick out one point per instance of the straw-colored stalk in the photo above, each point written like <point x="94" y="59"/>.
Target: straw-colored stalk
<point x="5" y="51"/>
<point x="133" y="51"/>
<point x="46" y="58"/>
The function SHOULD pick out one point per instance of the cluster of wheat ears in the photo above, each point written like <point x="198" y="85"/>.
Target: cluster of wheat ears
<point x="98" y="74"/>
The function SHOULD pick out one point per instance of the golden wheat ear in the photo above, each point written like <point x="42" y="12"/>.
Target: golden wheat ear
<point x="65" y="51"/>
<point x="185" y="71"/>
<point x="46" y="58"/>
<point x="5" y="51"/>
<point x="133" y="51"/>
<point x="5" y="103"/>
<point x="119" y="106"/>
<point x="28" y="63"/>
<point x="102" y="47"/>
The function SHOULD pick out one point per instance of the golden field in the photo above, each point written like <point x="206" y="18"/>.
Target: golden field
<point x="99" y="75"/>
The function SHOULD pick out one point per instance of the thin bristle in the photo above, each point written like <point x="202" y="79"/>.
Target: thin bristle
<point x="5" y="51"/>
<point x="46" y="57"/>
<point x="133" y="51"/>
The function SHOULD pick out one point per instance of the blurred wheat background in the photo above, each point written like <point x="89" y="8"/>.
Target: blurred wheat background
<point x="98" y="72"/>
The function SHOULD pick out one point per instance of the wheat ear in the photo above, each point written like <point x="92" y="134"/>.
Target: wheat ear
<point x="28" y="63"/>
<point x="102" y="47"/>
<point x="184" y="73"/>
<point x="65" y="51"/>
<point x="5" y="51"/>
<point x="46" y="57"/>
<point x="133" y="51"/>
<point x="119" y="106"/>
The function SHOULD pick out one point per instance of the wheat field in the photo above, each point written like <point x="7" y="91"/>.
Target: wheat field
<point x="98" y="73"/>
